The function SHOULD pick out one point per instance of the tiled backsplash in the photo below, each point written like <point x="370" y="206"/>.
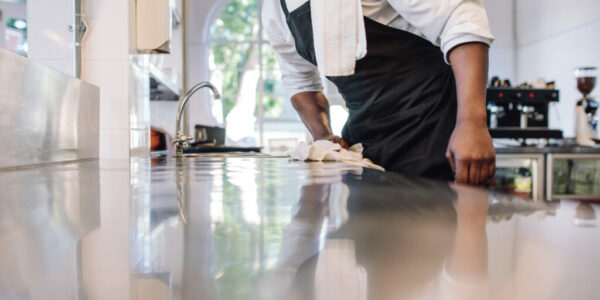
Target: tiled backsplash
<point x="123" y="81"/>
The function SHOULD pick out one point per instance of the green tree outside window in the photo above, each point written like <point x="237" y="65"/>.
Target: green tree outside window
<point x="236" y="48"/>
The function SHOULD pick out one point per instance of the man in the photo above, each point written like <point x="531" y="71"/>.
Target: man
<point x="415" y="94"/>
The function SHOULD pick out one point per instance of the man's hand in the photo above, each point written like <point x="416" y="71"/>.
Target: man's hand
<point x="471" y="153"/>
<point x="335" y="139"/>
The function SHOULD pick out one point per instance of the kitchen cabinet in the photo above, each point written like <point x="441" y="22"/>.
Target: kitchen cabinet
<point x="153" y="26"/>
<point x="521" y="174"/>
<point x="573" y="176"/>
<point x="549" y="173"/>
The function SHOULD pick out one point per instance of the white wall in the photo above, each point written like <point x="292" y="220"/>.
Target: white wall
<point x="554" y="37"/>
<point x="106" y="64"/>
<point x="105" y="61"/>
<point x="50" y="42"/>
<point x="502" y="52"/>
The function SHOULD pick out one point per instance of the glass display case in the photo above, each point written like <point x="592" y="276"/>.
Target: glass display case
<point x="521" y="175"/>
<point x="573" y="176"/>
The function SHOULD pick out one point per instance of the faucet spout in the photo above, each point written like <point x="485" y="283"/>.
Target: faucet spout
<point x="181" y="142"/>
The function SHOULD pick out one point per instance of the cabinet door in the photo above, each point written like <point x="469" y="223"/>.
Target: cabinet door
<point x="574" y="176"/>
<point x="520" y="175"/>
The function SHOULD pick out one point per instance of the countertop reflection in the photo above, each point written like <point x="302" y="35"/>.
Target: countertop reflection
<point x="272" y="228"/>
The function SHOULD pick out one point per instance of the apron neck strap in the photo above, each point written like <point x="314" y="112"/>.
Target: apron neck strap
<point x="284" y="7"/>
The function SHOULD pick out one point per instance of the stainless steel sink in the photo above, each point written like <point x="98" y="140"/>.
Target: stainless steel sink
<point x="232" y="154"/>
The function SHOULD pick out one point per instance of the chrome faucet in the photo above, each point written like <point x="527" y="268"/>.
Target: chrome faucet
<point x="181" y="142"/>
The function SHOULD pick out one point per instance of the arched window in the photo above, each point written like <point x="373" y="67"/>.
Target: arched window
<point x="243" y="66"/>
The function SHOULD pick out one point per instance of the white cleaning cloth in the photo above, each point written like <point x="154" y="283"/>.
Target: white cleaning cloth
<point x="339" y="35"/>
<point x="329" y="151"/>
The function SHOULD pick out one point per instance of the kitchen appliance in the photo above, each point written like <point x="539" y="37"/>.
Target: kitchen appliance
<point x="586" y="125"/>
<point x="208" y="134"/>
<point x="521" y="113"/>
<point x="212" y="140"/>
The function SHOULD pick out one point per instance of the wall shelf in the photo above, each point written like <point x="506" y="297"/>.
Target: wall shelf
<point x="162" y="88"/>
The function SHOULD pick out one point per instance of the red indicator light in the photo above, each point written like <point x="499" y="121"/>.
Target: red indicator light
<point x="501" y="95"/>
<point x="531" y="95"/>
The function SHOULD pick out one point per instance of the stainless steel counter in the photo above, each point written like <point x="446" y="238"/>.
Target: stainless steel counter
<point x="548" y="150"/>
<point x="46" y="116"/>
<point x="260" y="228"/>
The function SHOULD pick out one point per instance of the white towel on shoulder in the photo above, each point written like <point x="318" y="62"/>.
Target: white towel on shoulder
<point x="339" y="35"/>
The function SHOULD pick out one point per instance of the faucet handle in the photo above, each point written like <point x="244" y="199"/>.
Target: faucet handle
<point x="182" y="142"/>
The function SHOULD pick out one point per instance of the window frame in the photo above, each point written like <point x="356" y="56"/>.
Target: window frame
<point x="260" y="42"/>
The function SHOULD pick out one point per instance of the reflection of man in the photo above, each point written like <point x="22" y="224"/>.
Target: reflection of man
<point x="404" y="239"/>
<point x="467" y="262"/>
<point x="300" y="242"/>
<point x="413" y="112"/>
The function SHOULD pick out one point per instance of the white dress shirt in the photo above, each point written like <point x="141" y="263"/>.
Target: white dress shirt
<point x="445" y="23"/>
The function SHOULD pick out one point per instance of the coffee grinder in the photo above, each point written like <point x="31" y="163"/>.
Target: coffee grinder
<point x="586" y="125"/>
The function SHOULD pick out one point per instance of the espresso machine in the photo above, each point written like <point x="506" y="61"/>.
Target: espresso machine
<point x="521" y="113"/>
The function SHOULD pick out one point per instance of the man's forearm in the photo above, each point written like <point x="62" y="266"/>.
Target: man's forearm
<point x="313" y="109"/>
<point x="470" y="66"/>
<point x="470" y="149"/>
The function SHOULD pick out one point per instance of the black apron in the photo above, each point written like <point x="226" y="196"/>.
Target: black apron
<point x="401" y="99"/>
